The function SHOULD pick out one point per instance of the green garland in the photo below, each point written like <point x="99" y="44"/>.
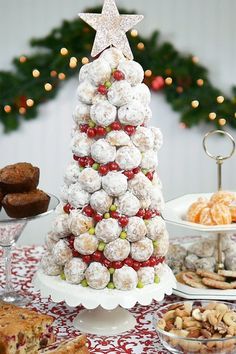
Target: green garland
<point x="37" y="78"/>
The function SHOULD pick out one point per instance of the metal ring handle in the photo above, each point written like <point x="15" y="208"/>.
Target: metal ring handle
<point x="217" y="158"/>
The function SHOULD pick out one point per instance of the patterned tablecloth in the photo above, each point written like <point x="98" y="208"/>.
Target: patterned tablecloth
<point x="143" y="339"/>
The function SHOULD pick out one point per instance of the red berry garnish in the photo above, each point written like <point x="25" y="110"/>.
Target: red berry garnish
<point x="102" y="89"/>
<point x="129" y="129"/>
<point x="145" y="264"/>
<point x="75" y="253"/>
<point x="136" y="170"/>
<point x="91" y="132"/>
<point x="75" y="157"/>
<point x="67" y="208"/>
<point x="103" y="170"/>
<point x="113" y="166"/>
<point x="152" y="261"/>
<point x="141" y="213"/>
<point x="89" y="161"/>
<point x="129" y="262"/>
<point x="149" y="175"/>
<point x="70" y="240"/>
<point x="114" y="214"/>
<point x="148" y="214"/>
<point x="136" y="265"/>
<point x="123" y="221"/>
<point x="86" y="259"/>
<point x="117" y="265"/>
<point x="82" y="161"/>
<point x="107" y="263"/>
<point x="88" y="210"/>
<point x="118" y="75"/>
<point x="84" y="128"/>
<point x="115" y="126"/>
<point x="101" y="131"/>
<point x="97" y="256"/>
<point x="97" y="217"/>
<point x="129" y="174"/>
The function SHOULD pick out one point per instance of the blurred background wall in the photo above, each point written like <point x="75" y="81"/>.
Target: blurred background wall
<point x="204" y="28"/>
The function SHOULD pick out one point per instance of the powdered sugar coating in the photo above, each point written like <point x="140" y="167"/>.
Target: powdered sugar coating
<point x="120" y="93"/>
<point x="115" y="184"/>
<point x="61" y="253"/>
<point x="86" y="244"/>
<point x="142" y="250"/>
<point x="81" y="114"/>
<point x="97" y="276"/>
<point x="50" y="240"/>
<point x="128" y="204"/>
<point x="146" y="275"/>
<point x="157" y="201"/>
<point x="163" y="245"/>
<point x="103" y="113"/>
<point x="155" y="227"/>
<point x="102" y="152"/>
<point x="86" y="91"/>
<point x="84" y="70"/>
<point x="100" y="201"/>
<point x="158" y="138"/>
<point x="60" y="225"/>
<point x="140" y="186"/>
<point x="107" y="230"/>
<point x="49" y="266"/>
<point x="74" y="270"/>
<point x="72" y="173"/>
<point x="132" y="113"/>
<point x="81" y="144"/>
<point x="136" y="229"/>
<point x="99" y="71"/>
<point x="118" y="138"/>
<point x="90" y="180"/>
<point x="79" y="223"/>
<point x="64" y="193"/>
<point x="149" y="160"/>
<point x="133" y="71"/>
<point x="98" y="97"/>
<point x="141" y="93"/>
<point x="117" y="250"/>
<point x="77" y="196"/>
<point x="125" y="278"/>
<point x="128" y="157"/>
<point x="113" y="56"/>
<point x="156" y="182"/>
<point x="143" y="138"/>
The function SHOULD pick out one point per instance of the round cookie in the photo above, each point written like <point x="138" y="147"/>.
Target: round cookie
<point x="117" y="250"/>
<point x="50" y="240"/>
<point x="136" y="229"/>
<point x="141" y="93"/>
<point x="99" y="71"/>
<point x="157" y="201"/>
<point x="86" y="91"/>
<point x="98" y="97"/>
<point x="163" y="244"/>
<point x="149" y="160"/>
<point x="72" y="173"/>
<point x="107" y="230"/>
<point x="128" y="204"/>
<point x="86" y="244"/>
<point x="49" y="266"/>
<point x="90" y="180"/>
<point x="140" y="186"/>
<point x="113" y="56"/>
<point x="132" y="70"/>
<point x="146" y="275"/>
<point x="132" y="113"/>
<point x="158" y="138"/>
<point x="128" y="157"/>
<point x="81" y="144"/>
<point x="143" y="138"/>
<point x="100" y="201"/>
<point x="84" y="70"/>
<point x="64" y="193"/>
<point x="118" y="138"/>
<point x="190" y="262"/>
<point x="103" y="113"/>
<point x="79" y="223"/>
<point x="142" y="250"/>
<point x="120" y="93"/>
<point x="61" y="253"/>
<point x="102" y="152"/>
<point x="81" y="114"/>
<point x="60" y="225"/>
<point x="97" y="276"/>
<point x="74" y="270"/>
<point x="125" y="278"/>
<point x="77" y="196"/>
<point x="115" y="184"/>
<point x="155" y="228"/>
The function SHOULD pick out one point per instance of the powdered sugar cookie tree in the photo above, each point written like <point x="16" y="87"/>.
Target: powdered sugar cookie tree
<point x="108" y="232"/>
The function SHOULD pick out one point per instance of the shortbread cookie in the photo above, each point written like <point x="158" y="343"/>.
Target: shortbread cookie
<point x="206" y="274"/>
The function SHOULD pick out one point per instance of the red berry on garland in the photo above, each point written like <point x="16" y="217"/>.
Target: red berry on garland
<point x="136" y="170"/>
<point x="148" y="214"/>
<point x="116" y="126"/>
<point x="76" y="158"/>
<point x="91" y="132"/>
<point x="115" y="214"/>
<point x="118" y="75"/>
<point x="113" y="166"/>
<point x="86" y="259"/>
<point x="97" y="256"/>
<point x="101" y="131"/>
<point x="123" y="221"/>
<point x="75" y="253"/>
<point x="102" y="89"/>
<point x="82" y="161"/>
<point x="129" y="129"/>
<point x="152" y="261"/>
<point x="145" y="264"/>
<point x="129" y="262"/>
<point x="136" y="265"/>
<point x="70" y="240"/>
<point x="97" y="217"/>
<point x="158" y="83"/>
<point x="67" y="208"/>
<point x="89" y="161"/>
<point x="103" y="170"/>
<point x="141" y="213"/>
<point x="129" y="174"/>
<point x="88" y="210"/>
<point x="149" y="175"/>
<point x="117" y="265"/>
<point x="107" y="263"/>
<point x="84" y="128"/>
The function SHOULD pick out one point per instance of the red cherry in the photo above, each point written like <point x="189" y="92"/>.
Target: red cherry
<point x="67" y="208"/>
<point x="145" y="264"/>
<point x="70" y="240"/>
<point x="101" y="131"/>
<point x="152" y="261"/>
<point x="97" y="217"/>
<point x="107" y="263"/>
<point x="136" y="265"/>
<point x="118" y="75"/>
<point x="129" y="262"/>
<point x="89" y="161"/>
<point x="86" y="259"/>
<point x="141" y="213"/>
<point x="136" y="170"/>
<point x="75" y="157"/>
<point x="114" y="214"/>
<point x="117" y="265"/>
<point x="97" y="256"/>
<point x="84" y="128"/>
<point x="123" y="221"/>
<point x="82" y="161"/>
<point x="148" y="214"/>
<point x="149" y="175"/>
<point x="75" y="253"/>
<point x="129" y="174"/>
<point x="113" y="166"/>
<point x="91" y="132"/>
<point x="88" y="210"/>
<point x="129" y="129"/>
<point x="103" y="170"/>
<point x="102" y="89"/>
<point x="115" y="126"/>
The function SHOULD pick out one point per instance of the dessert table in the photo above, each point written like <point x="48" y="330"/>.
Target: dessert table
<point x="141" y="340"/>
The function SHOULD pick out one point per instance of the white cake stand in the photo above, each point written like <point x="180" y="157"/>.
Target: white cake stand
<point x="106" y="312"/>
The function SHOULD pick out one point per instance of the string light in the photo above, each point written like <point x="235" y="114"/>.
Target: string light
<point x="53" y="73"/>
<point x="195" y="103"/>
<point x="140" y="46"/>
<point x="168" y="81"/>
<point x="73" y="62"/>
<point x="22" y="110"/>
<point x="61" y="76"/>
<point x="168" y="71"/>
<point x="222" y="121"/>
<point x="200" y="82"/>
<point x="48" y="87"/>
<point x="235" y="115"/>
<point x="220" y="99"/>
<point x="134" y="33"/>
<point x="22" y="59"/>
<point x="148" y="73"/>
<point x="195" y="59"/>
<point x="7" y="108"/>
<point x="30" y="102"/>
<point x="212" y="115"/>
<point x="85" y="60"/>
<point x="35" y="73"/>
<point x="182" y="125"/>
<point x="179" y="89"/>
<point x="64" y="51"/>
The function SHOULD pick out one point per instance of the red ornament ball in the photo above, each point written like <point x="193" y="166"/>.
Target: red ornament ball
<point x="103" y="170"/>
<point x="82" y="161"/>
<point x="116" y="126"/>
<point x="136" y="265"/>
<point x="149" y="175"/>
<point x="117" y="265"/>
<point x="115" y="214"/>
<point x="88" y="210"/>
<point x="129" y="174"/>
<point x="102" y="89"/>
<point x="118" y="75"/>
<point x="67" y="208"/>
<point x="113" y="166"/>
<point x="158" y="83"/>
<point x="141" y="213"/>
<point x="89" y="161"/>
<point x="97" y="256"/>
<point x="129" y="262"/>
<point x="101" y="131"/>
<point x="123" y="221"/>
<point x="97" y="217"/>
<point x="148" y="214"/>
<point x="129" y="129"/>
<point x="84" y="128"/>
<point x="91" y="133"/>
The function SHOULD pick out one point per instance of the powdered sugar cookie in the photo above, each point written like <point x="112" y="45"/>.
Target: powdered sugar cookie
<point x="97" y="275"/>
<point x="117" y="250"/>
<point x="149" y="160"/>
<point x="50" y="240"/>
<point x="143" y="138"/>
<point x="74" y="270"/>
<point x="141" y="93"/>
<point x="61" y="253"/>
<point x="140" y="186"/>
<point x="118" y="138"/>
<point x="81" y="144"/>
<point x="103" y="113"/>
<point x="72" y="173"/>
<point x="77" y="196"/>
<point x="128" y="157"/>
<point x="100" y="201"/>
<point x="79" y="223"/>
<point x="115" y="184"/>
<point x="136" y="229"/>
<point x="128" y="204"/>
<point x="132" y="70"/>
<point x="60" y="225"/>
<point x="162" y="246"/>
<point x="113" y="56"/>
<point x="158" y="138"/>
<point x="120" y="93"/>
<point x="99" y="71"/>
<point x="132" y="113"/>
<point x="102" y="152"/>
<point x="142" y="250"/>
<point x="157" y="200"/>
<point x="107" y="230"/>
<point x="146" y="275"/>
<point x="84" y="70"/>
<point x="49" y="266"/>
<point x="81" y="114"/>
<point x="125" y="278"/>
<point x="86" y="91"/>
<point x="86" y="244"/>
<point x="155" y="228"/>
<point x="90" y="180"/>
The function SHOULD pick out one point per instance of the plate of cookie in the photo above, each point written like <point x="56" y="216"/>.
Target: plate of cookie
<point x="205" y="212"/>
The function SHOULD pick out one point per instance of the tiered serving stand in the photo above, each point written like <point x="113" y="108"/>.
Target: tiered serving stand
<point x="175" y="213"/>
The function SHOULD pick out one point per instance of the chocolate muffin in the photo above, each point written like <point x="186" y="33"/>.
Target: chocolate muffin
<point x="1" y="198"/>
<point x="20" y="177"/>
<point x="21" y="205"/>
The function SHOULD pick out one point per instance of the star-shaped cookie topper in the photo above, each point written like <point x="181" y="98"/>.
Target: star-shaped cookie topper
<point x="111" y="28"/>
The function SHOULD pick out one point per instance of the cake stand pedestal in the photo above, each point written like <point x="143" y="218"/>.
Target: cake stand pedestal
<point x="106" y="310"/>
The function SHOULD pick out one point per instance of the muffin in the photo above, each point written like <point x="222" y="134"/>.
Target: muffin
<point x="1" y="198"/>
<point x="20" y="177"/>
<point x="21" y="205"/>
